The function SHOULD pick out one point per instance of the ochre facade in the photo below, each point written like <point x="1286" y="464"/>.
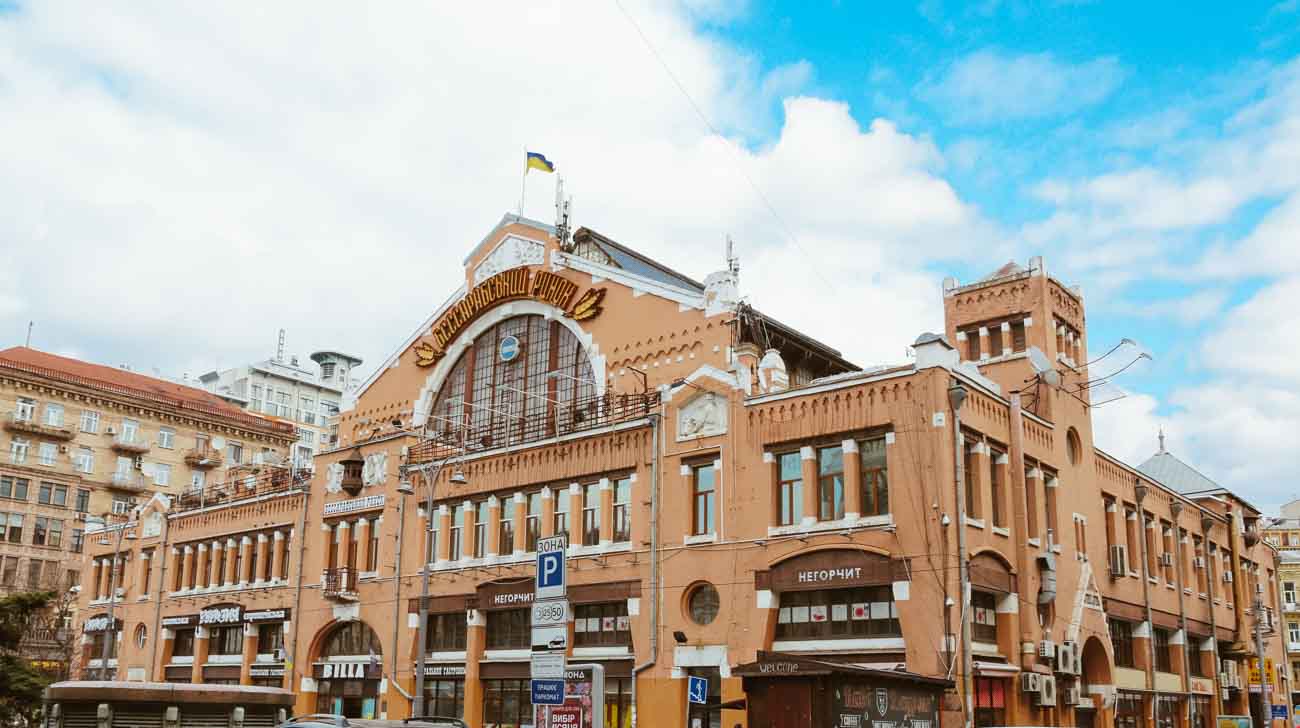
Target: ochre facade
<point x="742" y="505"/>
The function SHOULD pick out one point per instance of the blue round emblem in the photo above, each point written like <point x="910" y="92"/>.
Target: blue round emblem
<point x="509" y="348"/>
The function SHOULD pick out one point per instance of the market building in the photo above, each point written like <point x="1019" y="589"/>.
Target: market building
<point x="743" y="504"/>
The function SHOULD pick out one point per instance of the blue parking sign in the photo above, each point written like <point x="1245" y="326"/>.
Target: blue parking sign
<point x="548" y="692"/>
<point x="550" y="574"/>
<point x="697" y="690"/>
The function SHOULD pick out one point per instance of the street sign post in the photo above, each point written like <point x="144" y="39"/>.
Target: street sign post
<point x="547" y="666"/>
<point x="697" y="690"/>
<point x="550" y="569"/>
<point x="550" y="621"/>
<point x="550" y="612"/>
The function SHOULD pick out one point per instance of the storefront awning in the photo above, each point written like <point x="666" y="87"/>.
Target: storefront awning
<point x="995" y="669"/>
<point x="779" y="664"/>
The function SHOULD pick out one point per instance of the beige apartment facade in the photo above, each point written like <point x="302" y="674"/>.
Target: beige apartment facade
<point x="742" y="505"/>
<point x="82" y="443"/>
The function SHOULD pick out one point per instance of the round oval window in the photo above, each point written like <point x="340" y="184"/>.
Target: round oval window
<point x="703" y="604"/>
<point x="141" y="635"/>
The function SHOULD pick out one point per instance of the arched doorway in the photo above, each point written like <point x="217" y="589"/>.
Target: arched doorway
<point x="348" y="671"/>
<point x="1095" y="680"/>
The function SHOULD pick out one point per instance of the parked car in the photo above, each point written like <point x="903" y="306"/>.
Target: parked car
<point x="327" y="720"/>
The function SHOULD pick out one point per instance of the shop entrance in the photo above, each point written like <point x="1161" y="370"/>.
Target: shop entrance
<point x="789" y="705"/>
<point x="348" y="672"/>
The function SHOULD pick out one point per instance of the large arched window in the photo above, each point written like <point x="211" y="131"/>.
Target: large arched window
<point x="351" y="639"/>
<point x="523" y="379"/>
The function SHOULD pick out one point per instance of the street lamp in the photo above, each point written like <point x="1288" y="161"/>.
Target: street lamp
<point x="956" y="398"/>
<point x="111" y="635"/>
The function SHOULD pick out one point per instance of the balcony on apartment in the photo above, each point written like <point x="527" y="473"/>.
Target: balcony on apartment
<point x="243" y="483"/>
<point x="203" y="457"/>
<point x="129" y="480"/>
<point x="131" y="443"/>
<point x="339" y="584"/>
<point x="15" y="423"/>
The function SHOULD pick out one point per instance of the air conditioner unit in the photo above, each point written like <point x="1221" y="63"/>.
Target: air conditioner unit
<point x="1166" y="559"/>
<point x="80" y="516"/>
<point x="1030" y="682"/>
<point x="1046" y="691"/>
<point x="1067" y="658"/>
<point x="1118" y="560"/>
<point x="279" y="654"/>
<point x="63" y="449"/>
<point x="1047" y="648"/>
<point x="1227" y="577"/>
<point x="138" y="462"/>
<point x="1199" y="561"/>
<point x="1071" y="696"/>
<point x="110" y="430"/>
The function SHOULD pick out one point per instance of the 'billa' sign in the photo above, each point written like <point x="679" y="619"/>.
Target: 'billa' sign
<point x="541" y="285"/>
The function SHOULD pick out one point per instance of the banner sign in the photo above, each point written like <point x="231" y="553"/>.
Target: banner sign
<point x="368" y="503"/>
<point x="222" y="615"/>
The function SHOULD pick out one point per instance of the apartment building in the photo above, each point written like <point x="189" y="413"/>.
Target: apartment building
<point x="291" y="391"/>
<point x="929" y="542"/>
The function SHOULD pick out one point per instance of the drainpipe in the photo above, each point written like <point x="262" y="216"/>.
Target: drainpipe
<point x="1016" y="452"/>
<point x="1206" y="524"/>
<point x="655" y="446"/>
<point x="1140" y="494"/>
<point x="397" y="586"/>
<point x="157" y="605"/>
<point x="956" y="397"/>
<point x="292" y="652"/>
<point x="1175" y="509"/>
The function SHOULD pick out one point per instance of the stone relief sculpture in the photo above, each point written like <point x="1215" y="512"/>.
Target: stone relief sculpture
<point x="511" y="253"/>
<point x="375" y="470"/>
<point x="703" y="416"/>
<point x="334" y="478"/>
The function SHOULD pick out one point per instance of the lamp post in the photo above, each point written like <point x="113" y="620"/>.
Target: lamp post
<point x="406" y="488"/>
<point x="111" y="636"/>
<point x="957" y="397"/>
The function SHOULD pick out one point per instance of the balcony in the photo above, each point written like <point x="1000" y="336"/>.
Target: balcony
<point x="130" y="481"/>
<point x="15" y="424"/>
<point x="203" y="457"/>
<point x="131" y="444"/>
<point x="244" y="483"/>
<point x="339" y="584"/>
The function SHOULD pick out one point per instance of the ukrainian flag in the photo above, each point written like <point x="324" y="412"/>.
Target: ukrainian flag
<point x="538" y="161"/>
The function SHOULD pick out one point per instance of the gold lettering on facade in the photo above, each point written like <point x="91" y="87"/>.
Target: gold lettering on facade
<point x="544" y="286"/>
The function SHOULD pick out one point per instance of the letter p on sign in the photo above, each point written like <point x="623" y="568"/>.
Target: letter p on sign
<point x="550" y="574"/>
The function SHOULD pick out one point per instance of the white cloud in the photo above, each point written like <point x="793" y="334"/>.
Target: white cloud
<point x="990" y="85"/>
<point x="182" y="181"/>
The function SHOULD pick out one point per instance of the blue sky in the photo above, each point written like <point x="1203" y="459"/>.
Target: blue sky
<point x="184" y="179"/>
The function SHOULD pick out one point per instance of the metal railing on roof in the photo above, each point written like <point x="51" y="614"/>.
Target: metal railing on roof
<point x="444" y="438"/>
<point x="243" y="484"/>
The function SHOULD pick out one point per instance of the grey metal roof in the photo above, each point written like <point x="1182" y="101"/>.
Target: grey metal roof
<point x="636" y="263"/>
<point x="1164" y="468"/>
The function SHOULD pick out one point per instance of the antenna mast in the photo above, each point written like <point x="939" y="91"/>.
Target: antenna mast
<point x="563" y="216"/>
<point x="279" y="349"/>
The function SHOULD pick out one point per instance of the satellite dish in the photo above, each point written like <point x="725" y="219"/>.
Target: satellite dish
<point x="1043" y="367"/>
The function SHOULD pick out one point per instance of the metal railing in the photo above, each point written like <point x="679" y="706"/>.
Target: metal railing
<point x="242" y="485"/>
<point x="128" y="481"/>
<point x="131" y="443"/>
<point x="487" y="430"/>
<point x="203" y="457"/>
<point x="339" y="582"/>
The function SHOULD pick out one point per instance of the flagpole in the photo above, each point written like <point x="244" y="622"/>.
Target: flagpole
<point x="523" y="183"/>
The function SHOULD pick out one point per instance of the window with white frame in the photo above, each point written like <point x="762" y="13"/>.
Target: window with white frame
<point x="54" y="415"/>
<point x="18" y="450"/>
<point x="1293" y="632"/>
<point x="306" y="436"/>
<point x="255" y="398"/>
<point x="25" y="409"/>
<point x="130" y="430"/>
<point x="1288" y="592"/>
<point x="283" y="404"/>
<point x="197" y="480"/>
<point x="89" y="421"/>
<point x="162" y="474"/>
<point x="166" y="438"/>
<point x="48" y="452"/>
<point x="84" y="461"/>
<point x="328" y="408"/>
<point x="302" y="456"/>
<point x="307" y="410"/>
<point x="235" y="452"/>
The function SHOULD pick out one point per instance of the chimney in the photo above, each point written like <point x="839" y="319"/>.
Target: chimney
<point x="933" y="350"/>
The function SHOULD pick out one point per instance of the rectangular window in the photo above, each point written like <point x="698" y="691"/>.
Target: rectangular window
<point x="703" y="478"/>
<point x="457" y="525"/>
<point x="1163" y="663"/>
<point x="89" y="421"/>
<point x="15" y="528"/>
<point x="166" y="438"/>
<point x="39" y="533"/>
<point x="446" y="698"/>
<point x="55" y="539"/>
<point x="446" y="632"/>
<point x="997" y="488"/>
<point x="226" y="640"/>
<point x="78" y="540"/>
<point x="9" y="571"/>
<point x="1288" y="592"/>
<point x="830" y="483"/>
<point x="14" y="488"/>
<point x="183" y="643"/>
<point x="622" y="510"/>
<point x="52" y="494"/>
<point x="25" y="409"/>
<point x="130" y="431"/>
<point x="47" y="453"/>
<point x="995" y="340"/>
<point x="235" y="453"/>
<point x="506" y="528"/>
<point x="875" y="477"/>
<point x="255" y="398"/>
<point x="85" y="460"/>
<point x="507" y="703"/>
<point x="971" y="479"/>
<point x="307" y="410"/>
<point x="561" y="521"/>
<point x="1121" y="639"/>
<point x="282" y="404"/>
<point x="197" y="480"/>
<point x="602" y="624"/>
<point x="83" y="500"/>
<point x="54" y="415"/>
<point x="790" y="488"/>
<point x="1018" y="335"/>
<point x="509" y="629"/>
<point x="533" y="521"/>
<point x="984" y="616"/>
<point x="34" y="567"/>
<point x="18" y="448"/>
<point x="372" y="556"/>
<point x="591" y="514"/>
<point x="162" y="474"/>
<point x="270" y="637"/>
<point x="480" y="529"/>
<point x="1293" y="632"/>
<point x="857" y="612"/>
<point x="973" y="345"/>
